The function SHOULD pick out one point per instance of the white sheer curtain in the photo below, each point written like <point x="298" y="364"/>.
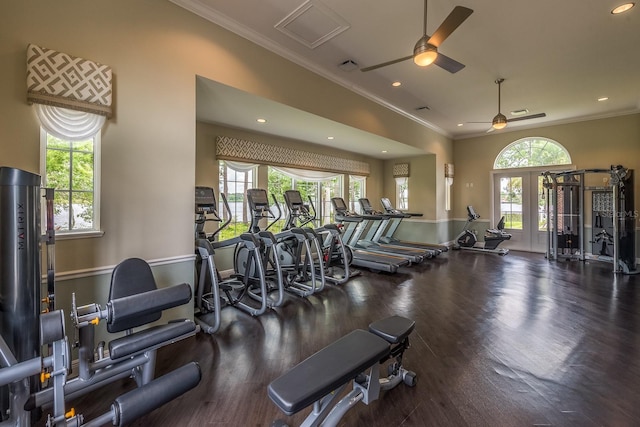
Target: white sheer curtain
<point x="71" y="125"/>
<point x="240" y="166"/>
<point x="448" y="180"/>
<point x="447" y="204"/>
<point x="307" y="175"/>
<point x="402" y="192"/>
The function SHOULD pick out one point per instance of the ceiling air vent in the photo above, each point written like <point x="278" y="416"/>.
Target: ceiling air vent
<point x="312" y="24"/>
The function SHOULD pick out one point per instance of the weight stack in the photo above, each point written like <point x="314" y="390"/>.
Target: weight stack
<point x="20" y="279"/>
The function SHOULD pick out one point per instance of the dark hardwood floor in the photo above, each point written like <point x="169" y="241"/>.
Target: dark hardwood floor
<point x="499" y="341"/>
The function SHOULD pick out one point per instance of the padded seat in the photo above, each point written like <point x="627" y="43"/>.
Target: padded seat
<point x="327" y="370"/>
<point x="393" y="329"/>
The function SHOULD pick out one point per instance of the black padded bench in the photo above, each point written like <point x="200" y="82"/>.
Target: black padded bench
<point x="320" y="378"/>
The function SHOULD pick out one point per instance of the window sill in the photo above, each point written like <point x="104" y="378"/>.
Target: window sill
<point x="79" y="235"/>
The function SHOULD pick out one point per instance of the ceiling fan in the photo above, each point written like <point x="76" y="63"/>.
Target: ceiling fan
<point x="425" y="51"/>
<point x="500" y="120"/>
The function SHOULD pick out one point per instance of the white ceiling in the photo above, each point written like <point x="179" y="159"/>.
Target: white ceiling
<point x="557" y="57"/>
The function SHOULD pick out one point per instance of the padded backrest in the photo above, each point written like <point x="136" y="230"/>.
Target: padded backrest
<point x="501" y="224"/>
<point x="132" y="276"/>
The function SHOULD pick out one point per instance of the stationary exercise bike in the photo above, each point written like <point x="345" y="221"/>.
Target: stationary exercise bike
<point x="468" y="240"/>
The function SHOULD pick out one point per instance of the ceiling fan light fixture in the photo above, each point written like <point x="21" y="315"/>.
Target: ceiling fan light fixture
<point x="424" y="53"/>
<point x="499" y="121"/>
<point x="622" y="8"/>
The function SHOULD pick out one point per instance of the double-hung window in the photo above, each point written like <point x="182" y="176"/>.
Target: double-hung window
<point x="402" y="193"/>
<point x="72" y="169"/>
<point x="357" y="190"/>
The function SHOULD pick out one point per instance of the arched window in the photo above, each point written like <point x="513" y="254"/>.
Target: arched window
<point x="532" y="152"/>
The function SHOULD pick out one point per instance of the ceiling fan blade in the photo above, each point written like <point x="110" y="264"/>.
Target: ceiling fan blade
<point x="451" y="65"/>
<point x="457" y="16"/>
<point x="384" y="64"/>
<point x="532" y="116"/>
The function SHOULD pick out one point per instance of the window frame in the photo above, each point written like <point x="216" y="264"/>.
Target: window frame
<point x="233" y="225"/>
<point x="530" y="140"/>
<point x="400" y="204"/>
<point x="353" y="197"/>
<point x="324" y="213"/>
<point x="96" y="230"/>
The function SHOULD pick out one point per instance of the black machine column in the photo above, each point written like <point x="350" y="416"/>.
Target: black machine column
<point x="19" y="268"/>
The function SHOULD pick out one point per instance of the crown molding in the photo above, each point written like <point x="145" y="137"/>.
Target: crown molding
<point x="211" y="15"/>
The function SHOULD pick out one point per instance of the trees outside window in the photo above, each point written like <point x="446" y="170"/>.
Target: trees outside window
<point x="320" y="187"/>
<point x="234" y="180"/>
<point x="402" y="193"/>
<point x="532" y="152"/>
<point x="357" y="190"/>
<point x="70" y="168"/>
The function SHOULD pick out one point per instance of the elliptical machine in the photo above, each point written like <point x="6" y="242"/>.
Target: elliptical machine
<point x="468" y="240"/>
<point x="289" y="253"/>
<point x="336" y="256"/>
<point x="212" y="292"/>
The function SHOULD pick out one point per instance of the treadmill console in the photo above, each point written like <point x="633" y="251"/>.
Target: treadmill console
<point x="387" y="206"/>
<point x="339" y="205"/>
<point x="366" y="206"/>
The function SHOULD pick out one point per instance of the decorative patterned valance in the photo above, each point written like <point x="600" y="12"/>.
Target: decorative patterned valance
<point x="228" y="148"/>
<point x="61" y="80"/>
<point x="401" y="170"/>
<point x="448" y="170"/>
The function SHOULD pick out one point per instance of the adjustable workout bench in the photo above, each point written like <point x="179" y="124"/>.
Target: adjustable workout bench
<point x="321" y="378"/>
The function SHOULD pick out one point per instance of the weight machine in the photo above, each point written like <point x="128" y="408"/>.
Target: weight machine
<point x="33" y="340"/>
<point x="613" y="216"/>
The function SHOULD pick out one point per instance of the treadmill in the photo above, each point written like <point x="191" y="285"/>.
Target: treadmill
<point x="378" y="227"/>
<point x="395" y="222"/>
<point x="361" y="257"/>
<point x="356" y="238"/>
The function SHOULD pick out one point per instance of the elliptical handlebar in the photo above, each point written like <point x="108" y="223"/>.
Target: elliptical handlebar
<point x="206" y="210"/>
<point x="299" y="214"/>
<point x="270" y="213"/>
<point x="312" y="212"/>
<point x="227" y="210"/>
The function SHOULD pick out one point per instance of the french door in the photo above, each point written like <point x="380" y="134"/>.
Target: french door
<point x="518" y="196"/>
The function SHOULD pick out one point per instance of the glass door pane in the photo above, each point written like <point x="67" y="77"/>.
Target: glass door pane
<point x="511" y="202"/>
<point x="542" y="211"/>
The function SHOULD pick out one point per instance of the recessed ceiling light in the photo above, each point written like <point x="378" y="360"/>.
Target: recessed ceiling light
<point x="262" y="120"/>
<point x="622" y="8"/>
<point x="384" y="151"/>
<point x="396" y="84"/>
<point x="521" y="112"/>
<point x="603" y="98"/>
<point x="329" y="137"/>
<point x="460" y="124"/>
